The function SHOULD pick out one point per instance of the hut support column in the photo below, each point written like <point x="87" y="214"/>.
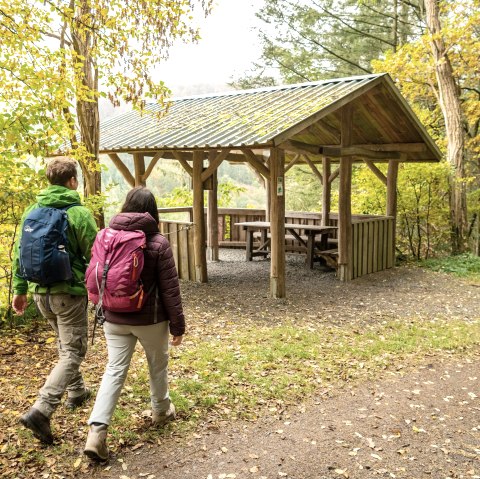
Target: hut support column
<point x="326" y="192"/>
<point x="139" y="163"/>
<point x="268" y="198"/>
<point x="345" y="200"/>
<point x="277" y="223"/>
<point x="392" y="175"/>
<point x="199" y="219"/>
<point x="212" y="215"/>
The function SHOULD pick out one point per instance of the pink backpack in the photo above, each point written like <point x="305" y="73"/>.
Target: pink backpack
<point x="113" y="275"/>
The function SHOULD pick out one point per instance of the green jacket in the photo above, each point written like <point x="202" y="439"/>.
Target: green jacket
<point x="81" y="234"/>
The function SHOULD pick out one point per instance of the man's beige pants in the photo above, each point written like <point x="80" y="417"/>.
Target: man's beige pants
<point x="67" y="315"/>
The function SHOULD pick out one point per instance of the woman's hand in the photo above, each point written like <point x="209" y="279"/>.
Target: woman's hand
<point x="177" y="340"/>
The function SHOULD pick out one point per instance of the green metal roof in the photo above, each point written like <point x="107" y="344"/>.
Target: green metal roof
<point x="234" y="119"/>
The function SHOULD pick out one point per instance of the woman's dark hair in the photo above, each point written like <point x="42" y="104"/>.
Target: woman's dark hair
<point x="141" y="200"/>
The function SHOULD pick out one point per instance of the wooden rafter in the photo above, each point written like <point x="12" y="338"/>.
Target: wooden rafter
<point x="214" y="164"/>
<point x="256" y="163"/>
<point x="293" y="162"/>
<point x="152" y="164"/>
<point x="333" y="175"/>
<point x="122" y="168"/>
<point x="179" y="156"/>
<point x="376" y="171"/>
<point x="313" y="168"/>
<point x="338" y="152"/>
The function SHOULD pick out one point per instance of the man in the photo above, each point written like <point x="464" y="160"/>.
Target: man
<point x="63" y="304"/>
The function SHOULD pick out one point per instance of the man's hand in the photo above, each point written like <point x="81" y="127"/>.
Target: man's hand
<point x="19" y="303"/>
<point x="177" y="340"/>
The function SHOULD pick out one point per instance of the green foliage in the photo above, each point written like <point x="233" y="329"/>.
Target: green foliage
<point x="463" y="265"/>
<point x="422" y="220"/>
<point x="20" y="184"/>
<point x="54" y="56"/>
<point x="304" y="192"/>
<point x="310" y="40"/>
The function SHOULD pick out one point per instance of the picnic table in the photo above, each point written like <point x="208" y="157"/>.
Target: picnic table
<point x="312" y="237"/>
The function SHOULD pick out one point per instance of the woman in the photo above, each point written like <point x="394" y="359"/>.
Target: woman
<point x="161" y="313"/>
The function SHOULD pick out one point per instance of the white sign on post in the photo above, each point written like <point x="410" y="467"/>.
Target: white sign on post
<point x="279" y="185"/>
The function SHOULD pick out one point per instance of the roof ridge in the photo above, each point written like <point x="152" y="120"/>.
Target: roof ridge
<point x="274" y="88"/>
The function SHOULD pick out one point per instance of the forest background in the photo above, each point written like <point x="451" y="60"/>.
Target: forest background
<point x="59" y="59"/>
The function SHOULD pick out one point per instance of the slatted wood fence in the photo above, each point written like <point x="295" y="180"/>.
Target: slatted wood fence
<point x="371" y="245"/>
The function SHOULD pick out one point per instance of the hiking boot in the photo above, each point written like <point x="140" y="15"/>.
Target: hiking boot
<point x="38" y="424"/>
<point x="159" y="419"/>
<point x="77" y="401"/>
<point x="96" y="445"/>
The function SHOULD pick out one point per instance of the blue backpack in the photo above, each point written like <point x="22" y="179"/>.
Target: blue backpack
<point x="44" y="257"/>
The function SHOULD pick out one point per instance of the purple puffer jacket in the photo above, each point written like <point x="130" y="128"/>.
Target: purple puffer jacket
<point x="164" y="302"/>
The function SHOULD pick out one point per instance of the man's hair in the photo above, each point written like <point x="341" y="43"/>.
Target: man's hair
<point x="141" y="200"/>
<point x="60" y="169"/>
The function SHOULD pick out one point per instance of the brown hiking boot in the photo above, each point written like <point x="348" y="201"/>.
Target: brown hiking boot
<point x="159" y="419"/>
<point x="77" y="401"/>
<point x="38" y="424"/>
<point x="96" y="445"/>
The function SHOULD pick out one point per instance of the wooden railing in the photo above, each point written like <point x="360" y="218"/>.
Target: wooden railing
<point x="180" y="235"/>
<point x="371" y="244"/>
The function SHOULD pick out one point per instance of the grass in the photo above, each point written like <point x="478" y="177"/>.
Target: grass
<point x="235" y="378"/>
<point x="248" y="372"/>
<point x="463" y="265"/>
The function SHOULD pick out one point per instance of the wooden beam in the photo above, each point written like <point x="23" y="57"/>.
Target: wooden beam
<point x="214" y="164"/>
<point x="256" y="163"/>
<point x="292" y="162"/>
<point x="400" y="147"/>
<point x="326" y="192"/>
<point x="122" y="168"/>
<point x="139" y="164"/>
<point x="376" y="171"/>
<point x="258" y="176"/>
<point x="345" y="193"/>
<point x="313" y="168"/>
<point x="179" y="156"/>
<point x="152" y="164"/>
<point x="300" y="147"/>
<point x="199" y="219"/>
<point x="334" y="175"/>
<point x="392" y="176"/>
<point x="212" y="214"/>
<point x="337" y="152"/>
<point x="277" y="223"/>
<point x="356" y="151"/>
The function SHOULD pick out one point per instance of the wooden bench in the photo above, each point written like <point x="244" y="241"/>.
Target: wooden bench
<point x="330" y="256"/>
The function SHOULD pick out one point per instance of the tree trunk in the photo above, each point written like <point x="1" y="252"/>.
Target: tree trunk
<point x="87" y="105"/>
<point x="449" y="99"/>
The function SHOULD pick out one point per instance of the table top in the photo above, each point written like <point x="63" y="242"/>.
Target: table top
<point x="293" y="226"/>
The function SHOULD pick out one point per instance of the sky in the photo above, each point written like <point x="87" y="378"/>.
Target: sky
<point x="228" y="47"/>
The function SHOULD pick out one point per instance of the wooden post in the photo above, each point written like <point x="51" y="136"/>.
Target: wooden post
<point x="139" y="163"/>
<point x="277" y="223"/>
<point x="212" y="215"/>
<point x="199" y="219"/>
<point x="326" y="192"/>
<point x="267" y="188"/>
<point x="345" y="203"/>
<point x="392" y="175"/>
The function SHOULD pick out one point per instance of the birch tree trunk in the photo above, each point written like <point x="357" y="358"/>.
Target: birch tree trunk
<point x="449" y="99"/>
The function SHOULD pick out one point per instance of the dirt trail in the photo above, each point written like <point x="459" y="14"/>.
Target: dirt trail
<point x="422" y="424"/>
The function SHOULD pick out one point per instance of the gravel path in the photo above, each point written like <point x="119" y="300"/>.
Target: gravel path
<point x="413" y="423"/>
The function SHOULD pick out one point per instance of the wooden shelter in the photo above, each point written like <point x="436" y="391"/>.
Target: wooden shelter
<point x="327" y="125"/>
